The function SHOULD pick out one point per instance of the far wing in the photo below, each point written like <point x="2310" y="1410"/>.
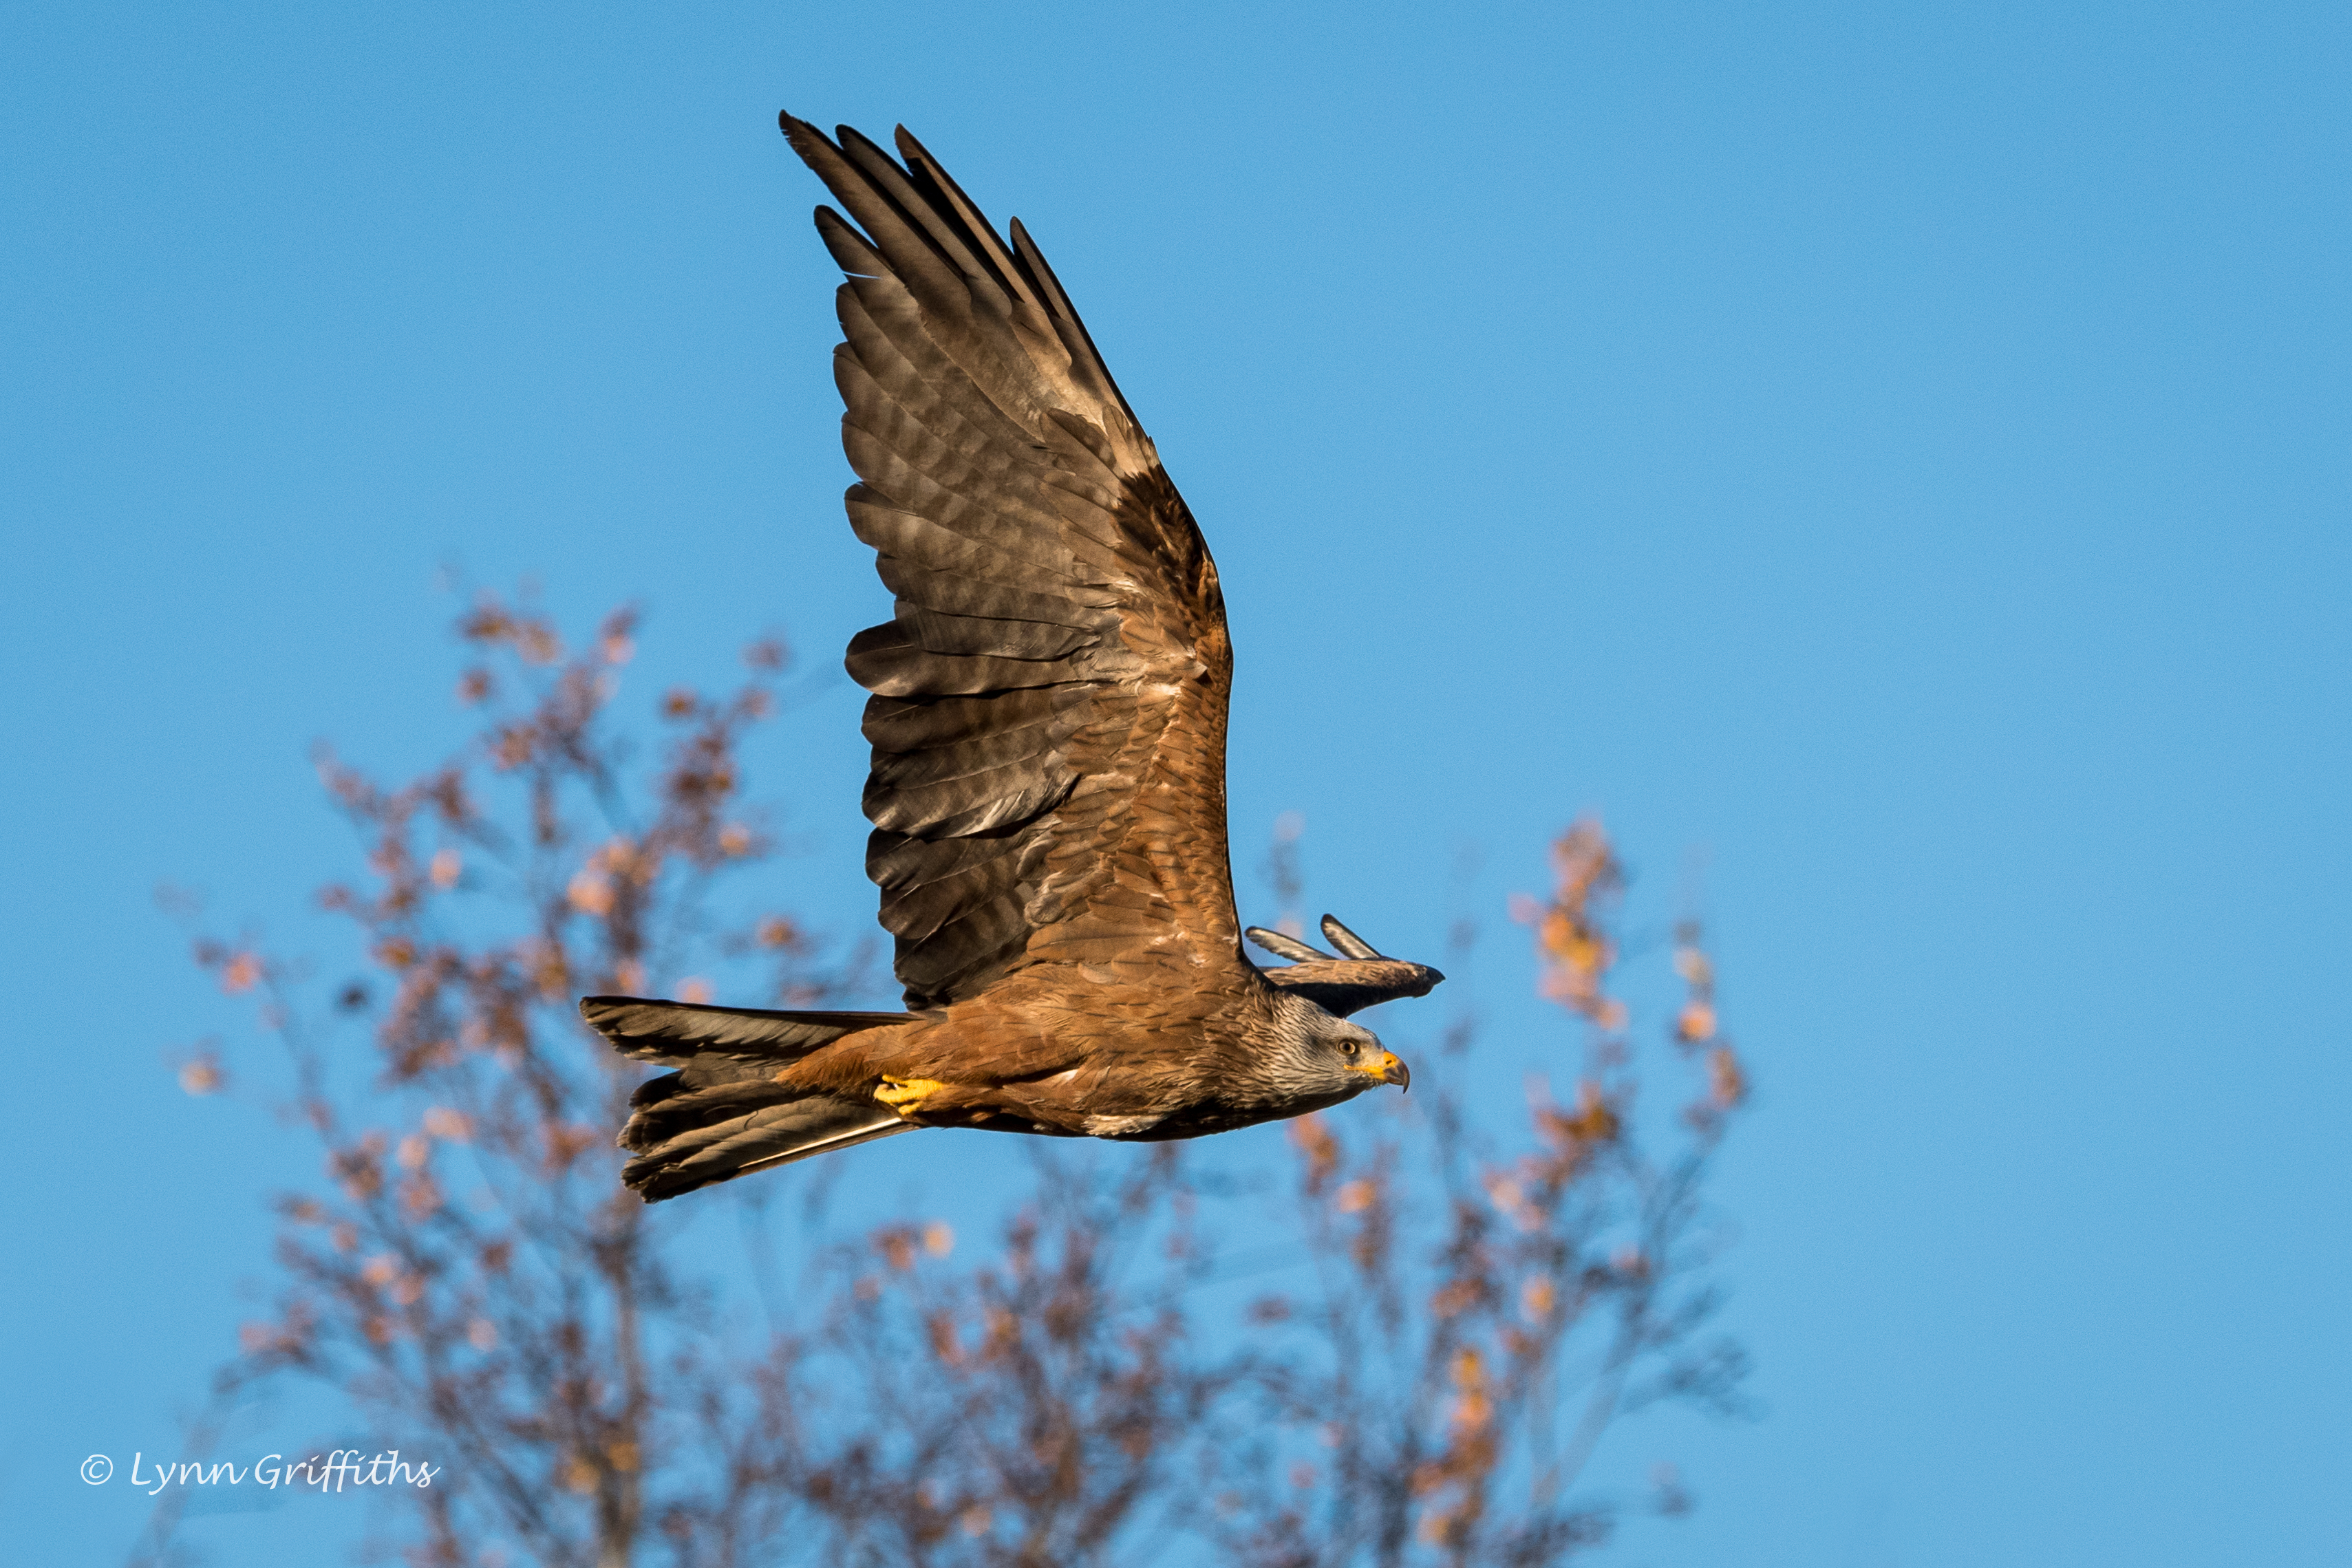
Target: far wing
<point x="1364" y="979"/>
<point x="1048" y="718"/>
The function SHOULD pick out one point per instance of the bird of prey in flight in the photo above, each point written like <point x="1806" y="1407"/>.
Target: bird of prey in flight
<point x="1048" y="783"/>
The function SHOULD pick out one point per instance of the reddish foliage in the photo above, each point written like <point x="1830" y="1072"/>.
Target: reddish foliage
<point x="471" y="1271"/>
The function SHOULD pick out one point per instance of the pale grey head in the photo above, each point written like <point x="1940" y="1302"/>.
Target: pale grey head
<point x="1318" y="1057"/>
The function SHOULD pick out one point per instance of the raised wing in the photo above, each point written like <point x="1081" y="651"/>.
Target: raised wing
<point x="1362" y="978"/>
<point x="1048" y="716"/>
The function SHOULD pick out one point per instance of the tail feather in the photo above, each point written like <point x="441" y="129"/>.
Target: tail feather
<point x="682" y="1034"/>
<point x="722" y="1115"/>
<point x="732" y="1146"/>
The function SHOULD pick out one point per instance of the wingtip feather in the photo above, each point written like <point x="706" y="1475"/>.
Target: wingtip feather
<point x="1350" y="946"/>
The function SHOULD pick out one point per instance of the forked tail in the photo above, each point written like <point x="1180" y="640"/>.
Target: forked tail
<point x="722" y="1115"/>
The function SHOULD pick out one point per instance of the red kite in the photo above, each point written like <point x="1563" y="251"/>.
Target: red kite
<point x="1048" y="784"/>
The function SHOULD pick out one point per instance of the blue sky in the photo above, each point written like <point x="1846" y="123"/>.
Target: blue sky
<point x="1893" y="454"/>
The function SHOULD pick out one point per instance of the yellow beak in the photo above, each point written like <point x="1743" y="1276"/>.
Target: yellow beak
<point x="1386" y="1068"/>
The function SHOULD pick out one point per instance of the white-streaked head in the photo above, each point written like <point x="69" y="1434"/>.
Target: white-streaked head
<point x="1326" y="1057"/>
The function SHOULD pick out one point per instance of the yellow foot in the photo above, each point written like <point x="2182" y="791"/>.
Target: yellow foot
<point x="906" y="1095"/>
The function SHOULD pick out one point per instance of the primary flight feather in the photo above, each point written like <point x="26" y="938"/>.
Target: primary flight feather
<point x="1049" y="724"/>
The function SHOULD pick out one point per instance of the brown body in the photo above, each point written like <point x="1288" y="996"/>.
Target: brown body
<point x="1040" y="1054"/>
<point x="1049" y="724"/>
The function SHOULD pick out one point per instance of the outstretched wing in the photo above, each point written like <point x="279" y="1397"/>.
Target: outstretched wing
<point x="1048" y="716"/>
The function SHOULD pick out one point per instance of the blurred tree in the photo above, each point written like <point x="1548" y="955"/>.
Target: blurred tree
<point x="1483" y="1304"/>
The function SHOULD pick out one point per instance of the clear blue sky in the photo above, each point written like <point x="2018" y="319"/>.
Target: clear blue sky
<point x="1897" y="451"/>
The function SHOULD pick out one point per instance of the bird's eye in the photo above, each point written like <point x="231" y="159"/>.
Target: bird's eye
<point x="1346" y="1047"/>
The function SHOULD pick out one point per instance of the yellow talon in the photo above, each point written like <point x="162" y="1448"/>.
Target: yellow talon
<point x="906" y="1095"/>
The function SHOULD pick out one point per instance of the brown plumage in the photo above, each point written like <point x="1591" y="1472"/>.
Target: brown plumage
<point x="1049" y="724"/>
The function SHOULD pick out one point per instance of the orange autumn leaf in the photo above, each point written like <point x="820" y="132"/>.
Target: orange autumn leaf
<point x="591" y="893"/>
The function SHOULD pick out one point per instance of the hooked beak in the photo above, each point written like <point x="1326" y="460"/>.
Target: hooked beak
<point x="1387" y="1068"/>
